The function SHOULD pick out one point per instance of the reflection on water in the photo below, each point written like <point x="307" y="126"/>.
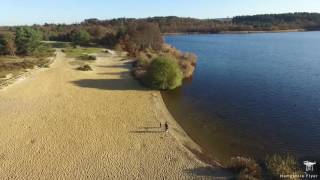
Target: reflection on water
<point x="251" y="95"/>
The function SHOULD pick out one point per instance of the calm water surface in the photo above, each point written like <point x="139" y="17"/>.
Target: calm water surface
<point x="252" y="94"/>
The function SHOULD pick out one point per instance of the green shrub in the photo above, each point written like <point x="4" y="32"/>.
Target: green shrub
<point x="187" y="61"/>
<point x="285" y="164"/>
<point x="245" y="168"/>
<point x="164" y="73"/>
<point x="28" y="40"/>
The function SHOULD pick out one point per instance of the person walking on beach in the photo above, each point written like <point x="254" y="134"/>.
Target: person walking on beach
<point x="166" y="127"/>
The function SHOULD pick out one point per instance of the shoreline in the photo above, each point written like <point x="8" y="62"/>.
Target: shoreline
<point x="186" y="142"/>
<point x="239" y="32"/>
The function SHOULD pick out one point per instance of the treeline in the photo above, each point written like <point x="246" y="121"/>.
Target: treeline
<point x="111" y="32"/>
<point x="24" y="41"/>
<point x="171" y="24"/>
<point x="267" y="22"/>
<point x="135" y="35"/>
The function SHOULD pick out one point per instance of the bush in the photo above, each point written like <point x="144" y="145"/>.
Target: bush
<point x="278" y="165"/>
<point x="164" y="73"/>
<point x="187" y="68"/>
<point x="187" y="61"/>
<point x="88" y="57"/>
<point x="85" y="67"/>
<point x="7" y="44"/>
<point x="28" y="40"/>
<point x="143" y="60"/>
<point x="245" y="168"/>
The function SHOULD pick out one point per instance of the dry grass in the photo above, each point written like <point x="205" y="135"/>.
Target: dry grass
<point x="282" y="164"/>
<point x="245" y="168"/>
<point x="13" y="66"/>
<point x="15" y="63"/>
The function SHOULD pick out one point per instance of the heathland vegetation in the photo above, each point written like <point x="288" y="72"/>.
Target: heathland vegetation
<point x="271" y="168"/>
<point x="20" y="50"/>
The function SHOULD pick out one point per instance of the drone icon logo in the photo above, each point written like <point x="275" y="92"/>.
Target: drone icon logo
<point x="309" y="165"/>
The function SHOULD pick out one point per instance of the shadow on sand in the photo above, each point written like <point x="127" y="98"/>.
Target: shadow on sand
<point x="110" y="84"/>
<point x="146" y="132"/>
<point x="121" y="74"/>
<point x="124" y="82"/>
<point x="149" y="127"/>
<point x="126" y="66"/>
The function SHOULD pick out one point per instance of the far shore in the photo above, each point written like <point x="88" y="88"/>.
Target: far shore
<point x="239" y="32"/>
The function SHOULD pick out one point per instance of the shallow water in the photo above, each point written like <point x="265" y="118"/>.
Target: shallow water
<point x="252" y="94"/>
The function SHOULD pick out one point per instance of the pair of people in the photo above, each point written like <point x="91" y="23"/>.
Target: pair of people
<point x="166" y="126"/>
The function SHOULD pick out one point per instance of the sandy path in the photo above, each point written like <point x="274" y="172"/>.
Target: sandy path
<point x="66" y="124"/>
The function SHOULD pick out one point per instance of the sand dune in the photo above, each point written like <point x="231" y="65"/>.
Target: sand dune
<point x="67" y="124"/>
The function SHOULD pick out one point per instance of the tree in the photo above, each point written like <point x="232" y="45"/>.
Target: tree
<point x="80" y="37"/>
<point x="98" y="32"/>
<point x="147" y="35"/>
<point x="7" y="44"/>
<point x="164" y="73"/>
<point x="109" y="40"/>
<point x="28" y="40"/>
<point x="139" y="36"/>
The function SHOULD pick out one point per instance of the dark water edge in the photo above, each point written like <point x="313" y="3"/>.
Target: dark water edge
<point x="252" y="95"/>
<point x="216" y="148"/>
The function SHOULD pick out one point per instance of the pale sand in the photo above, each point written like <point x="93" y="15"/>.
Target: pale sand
<point x="67" y="124"/>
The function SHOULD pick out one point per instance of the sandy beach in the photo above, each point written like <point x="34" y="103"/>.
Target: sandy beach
<point x="67" y="124"/>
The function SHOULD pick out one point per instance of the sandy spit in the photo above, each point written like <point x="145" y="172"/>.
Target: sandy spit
<point x="66" y="124"/>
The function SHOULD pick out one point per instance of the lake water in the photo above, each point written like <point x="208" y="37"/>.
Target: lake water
<point x="252" y="94"/>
